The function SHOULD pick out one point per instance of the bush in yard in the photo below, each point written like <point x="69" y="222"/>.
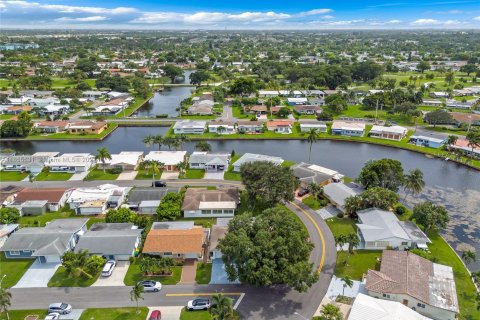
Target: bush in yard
<point x="124" y="215"/>
<point x="94" y="264"/>
<point x="400" y="210"/>
<point x="116" y="170"/>
<point x="9" y="215"/>
<point x="155" y="266"/>
<point x="170" y="207"/>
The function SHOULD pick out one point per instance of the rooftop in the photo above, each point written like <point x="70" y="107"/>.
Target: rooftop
<point x="252" y="157"/>
<point x="202" y="198"/>
<point x="52" y="195"/>
<point x="167" y="157"/>
<point x="175" y="241"/>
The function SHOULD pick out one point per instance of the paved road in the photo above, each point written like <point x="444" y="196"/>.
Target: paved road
<point x="227" y="114"/>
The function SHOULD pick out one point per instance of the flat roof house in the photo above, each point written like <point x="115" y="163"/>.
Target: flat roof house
<point x="297" y="101"/>
<point x="47" y="244"/>
<point x="177" y="240"/>
<point x="311" y="173"/>
<point x="343" y="128"/>
<point x="222" y="127"/>
<point x="95" y="200"/>
<point x="253" y="157"/>
<point x="116" y="241"/>
<point x="71" y="162"/>
<point x="380" y="229"/>
<point x="189" y="127"/>
<point x="426" y="287"/>
<point x="464" y="146"/>
<point x="258" y="109"/>
<point x="127" y="160"/>
<point x="87" y="127"/>
<point x="250" y="126"/>
<point x="432" y="141"/>
<point x="304" y="109"/>
<point x="170" y="159"/>
<point x="17" y="109"/>
<point x="306" y="126"/>
<point x="201" y="202"/>
<point x="280" y="126"/>
<point x="55" y="197"/>
<point x="209" y="161"/>
<point x="390" y="133"/>
<point x="336" y="193"/>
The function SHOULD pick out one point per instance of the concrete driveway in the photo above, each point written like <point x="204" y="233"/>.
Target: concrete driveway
<point x="74" y="315"/>
<point x="116" y="279"/>
<point x="38" y="275"/>
<point x="214" y="175"/>
<point x="127" y="175"/>
<point x="78" y="176"/>
<point x="170" y="175"/>
<point x="168" y="313"/>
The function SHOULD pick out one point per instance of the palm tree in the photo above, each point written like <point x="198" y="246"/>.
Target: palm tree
<point x="203" y="146"/>
<point x="5" y="301"/>
<point x="353" y="241"/>
<point x="469" y="256"/>
<point x="158" y="140"/>
<point x="315" y="189"/>
<point x="148" y="140"/>
<point x="153" y="167"/>
<point x="102" y="156"/>
<point x="169" y="142"/>
<point x="137" y="293"/>
<point x="181" y="166"/>
<point x="451" y="141"/>
<point x="222" y="309"/>
<point x="331" y="312"/>
<point x="476" y="277"/>
<point x="347" y="282"/>
<point x="312" y="137"/>
<point x="179" y="141"/>
<point x="473" y="138"/>
<point x="413" y="182"/>
<point x="340" y="241"/>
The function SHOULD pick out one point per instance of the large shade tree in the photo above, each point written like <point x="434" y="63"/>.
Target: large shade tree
<point x="385" y="173"/>
<point x="431" y="216"/>
<point x="271" y="248"/>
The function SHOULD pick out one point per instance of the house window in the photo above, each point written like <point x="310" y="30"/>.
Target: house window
<point x="386" y="296"/>
<point x="167" y="254"/>
<point x="14" y="253"/>
<point x="206" y="211"/>
<point x="26" y="251"/>
<point x="421" y="305"/>
<point x="404" y="243"/>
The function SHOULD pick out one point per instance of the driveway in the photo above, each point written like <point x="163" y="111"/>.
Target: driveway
<point x="127" y="175"/>
<point x="116" y="279"/>
<point x="168" y="313"/>
<point x="78" y="176"/>
<point x="217" y="175"/>
<point x="170" y="175"/>
<point x="74" y="315"/>
<point x="38" y="275"/>
<point x="219" y="275"/>
<point x="336" y="288"/>
<point x="189" y="271"/>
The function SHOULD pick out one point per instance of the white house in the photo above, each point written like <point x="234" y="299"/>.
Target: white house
<point x="336" y="193"/>
<point x="252" y="157"/>
<point x="297" y="101"/>
<point x="201" y="202"/>
<point x="170" y="159"/>
<point x="250" y="126"/>
<point x="127" y="160"/>
<point x="96" y="200"/>
<point x="189" y="127"/>
<point x="343" y="128"/>
<point x="209" y="161"/>
<point x="389" y="133"/>
<point x="222" y="127"/>
<point x="379" y="229"/>
<point x="71" y="162"/>
<point x="307" y="126"/>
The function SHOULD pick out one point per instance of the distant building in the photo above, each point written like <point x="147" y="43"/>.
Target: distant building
<point x="389" y="133"/>
<point x="170" y="159"/>
<point x="341" y="128"/>
<point x="189" y="127"/>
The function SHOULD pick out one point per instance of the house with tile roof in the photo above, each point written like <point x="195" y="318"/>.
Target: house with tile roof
<point x="55" y="197"/>
<point x="426" y="287"/>
<point x="280" y="126"/>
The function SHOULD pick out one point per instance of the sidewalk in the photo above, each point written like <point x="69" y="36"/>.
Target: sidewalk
<point x="189" y="271"/>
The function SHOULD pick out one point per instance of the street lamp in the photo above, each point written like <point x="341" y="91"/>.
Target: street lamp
<point x="298" y="314"/>
<point x="1" y="280"/>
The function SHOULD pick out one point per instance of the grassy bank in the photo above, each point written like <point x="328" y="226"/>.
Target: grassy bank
<point x="62" y="279"/>
<point x="14" y="269"/>
<point x="134" y="275"/>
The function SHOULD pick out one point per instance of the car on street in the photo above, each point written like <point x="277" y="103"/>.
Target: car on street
<point x="53" y="316"/>
<point x="159" y="183"/>
<point x="198" y="304"/>
<point x="108" y="268"/>
<point x="151" y="286"/>
<point x="155" y="315"/>
<point x="302" y="192"/>
<point x="60" y="307"/>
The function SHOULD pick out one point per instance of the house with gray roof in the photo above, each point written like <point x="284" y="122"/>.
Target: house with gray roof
<point x="31" y="163"/>
<point x="201" y="202"/>
<point x="379" y="229"/>
<point x="189" y="127"/>
<point x="116" y="241"/>
<point x="47" y="244"/>
<point x="336" y="193"/>
<point x="146" y="200"/>
<point x="311" y="173"/>
<point x="253" y="157"/>
<point x="209" y="161"/>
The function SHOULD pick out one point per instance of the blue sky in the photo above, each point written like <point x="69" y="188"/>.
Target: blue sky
<point x="245" y="14"/>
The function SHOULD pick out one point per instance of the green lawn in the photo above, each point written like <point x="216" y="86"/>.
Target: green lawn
<point x="230" y="175"/>
<point x="195" y="315"/>
<point x="6" y="116"/>
<point x="204" y="222"/>
<point x="115" y="314"/>
<point x="204" y="273"/>
<point x="357" y="264"/>
<point x="134" y="275"/>
<point x="14" y="269"/>
<point x="41" y="220"/>
<point x="194" y="174"/>
<point x="145" y="175"/>
<point x="53" y="176"/>
<point x="22" y="314"/>
<point x="94" y="220"/>
<point x="97" y="174"/>
<point x="288" y="163"/>
<point x="340" y="226"/>
<point x="12" y="175"/>
<point x="62" y="279"/>
<point x="312" y="202"/>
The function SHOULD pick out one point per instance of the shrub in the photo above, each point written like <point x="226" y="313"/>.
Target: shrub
<point x="400" y="210"/>
<point x="340" y="215"/>
<point x="116" y="170"/>
<point x="163" y="115"/>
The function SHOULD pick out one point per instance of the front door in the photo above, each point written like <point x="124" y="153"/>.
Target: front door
<point x="42" y="259"/>
<point x="405" y="302"/>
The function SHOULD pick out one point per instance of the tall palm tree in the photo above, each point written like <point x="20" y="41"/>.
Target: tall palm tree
<point x="153" y="167"/>
<point x="5" y="301"/>
<point x="148" y="140"/>
<point x="347" y="282"/>
<point x="158" y="140"/>
<point x="353" y="241"/>
<point x="413" y="182"/>
<point x="473" y="138"/>
<point x="315" y="189"/>
<point x="222" y="309"/>
<point x="181" y="166"/>
<point x="169" y="141"/>
<point x="312" y="137"/>
<point x="137" y="293"/>
<point x="102" y="156"/>
<point x="451" y="141"/>
<point x="180" y="140"/>
<point x="469" y="256"/>
<point x="203" y="146"/>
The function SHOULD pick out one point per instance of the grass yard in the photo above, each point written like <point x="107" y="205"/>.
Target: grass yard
<point x="288" y="163"/>
<point x="134" y="275"/>
<point x="115" y="314"/>
<point x="94" y="220"/>
<point x="230" y="175"/>
<point x="204" y="222"/>
<point x="62" y="279"/>
<point x="357" y="264"/>
<point x="13" y="269"/>
<point x="194" y="174"/>
<point x="53" y="176"/>
<point x="97" y="174"/>
<point x="6" y="116"/>
<point x="312" y="203"/>
<point x="204" y="273"/>
<point x="145" y="175"/>
<point x="22" y="314"/>
<point x="41" y="220"/>
<point x="12" y="175"/>
<point x="340" y="226"/>
<point x="195" y="315"/>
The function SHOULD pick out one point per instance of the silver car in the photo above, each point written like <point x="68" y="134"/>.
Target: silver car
<point x="198" y="304"/>
<point x="151" y="286"/>
<point x="108" y="268"/>
<point x="60" y="307"/>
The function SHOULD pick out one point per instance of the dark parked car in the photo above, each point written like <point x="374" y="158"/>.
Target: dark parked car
<point x="155" y="315"/>
<point x="302" y="192"/>
<point x="159" y="184"/>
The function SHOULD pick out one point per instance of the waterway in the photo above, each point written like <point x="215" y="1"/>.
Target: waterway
<point x="455" y="186"/>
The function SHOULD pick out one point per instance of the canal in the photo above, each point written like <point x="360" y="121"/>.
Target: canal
<point x="454" y="186"/>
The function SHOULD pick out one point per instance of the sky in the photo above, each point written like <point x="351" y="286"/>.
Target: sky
<point x="238" y="15"/>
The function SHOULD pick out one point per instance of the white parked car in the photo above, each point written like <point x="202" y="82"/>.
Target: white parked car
<point x="151" y="286"/>
<point x="53" y="316"/>
<point x="198" y="304"/>
<point x="108" y="268"/>
<point x="60" y="307"/>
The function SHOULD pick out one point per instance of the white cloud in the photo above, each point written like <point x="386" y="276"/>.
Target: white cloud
<point x="327" y="16"/>
<point x="314" y="12"/>
<point x="84" y="19"/>
<point x="477" y="18"/>
<point x="394" y="21"/>
<point x="425" y="22"/>
<point x="452" y="22"/>
<point x="14" y="4"/>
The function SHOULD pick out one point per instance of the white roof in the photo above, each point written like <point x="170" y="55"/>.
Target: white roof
<point x="124" y="157"/>
<point x="348" y="125"/>
<point x="45" y="154"/>
<point x="324" y="170"/>
<point x="71" y="159"/>
<point x="379" y="224"/>
<point x="442" y="289"/>
<point x="425" y="138"/>
<point x="217" y="205"/>
<point x="56" y="107"/>
<point x="392" y="129"/>
<point x="297" y="99"/>
<point x="312" y="125"/>
<point x="190" y="124"/>
<point x="366" y="307"/>
<point x="252" y="157"/>
<point x="101" y="193"/>
<point x="115" y="94"/>
<point x="167" y="157"/>
<point x="268" y="92"/>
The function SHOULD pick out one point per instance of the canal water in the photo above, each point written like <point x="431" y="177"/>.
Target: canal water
<point x="168" y="100"/>
<point x="454" y="186"/>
